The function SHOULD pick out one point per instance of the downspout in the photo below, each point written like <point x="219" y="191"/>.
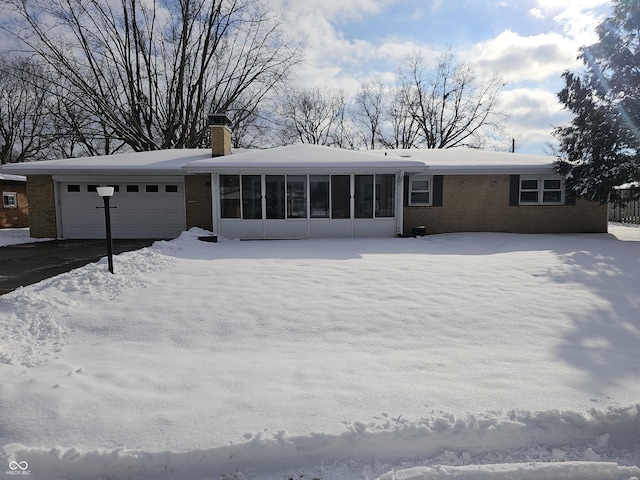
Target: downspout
<point x="400" y="204"/>
<point x="215" y="204"/>
<point x="58" y="208"/>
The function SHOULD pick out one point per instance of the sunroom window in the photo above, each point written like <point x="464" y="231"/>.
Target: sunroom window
<point x="385" y="195"/>
<point x="374" y="196"/>
<point x="296" y="196"/>
<point x="275" y="186"/>
<point x="230" y="196"/>
<point x="319" y="196"/>
<point x="241" y="196"/>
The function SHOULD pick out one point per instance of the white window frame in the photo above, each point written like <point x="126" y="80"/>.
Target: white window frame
<point x="540" y="190"/>
<point x="10" y="199"/>
<point x="429" y="190"/>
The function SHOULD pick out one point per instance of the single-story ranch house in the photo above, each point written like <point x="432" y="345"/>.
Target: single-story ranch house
<point x="302" y="191"/>
<point x="14" y="211"/>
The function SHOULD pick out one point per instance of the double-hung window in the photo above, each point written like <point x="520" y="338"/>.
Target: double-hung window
<point x="541" y="191"/>
<point x="9" y="199"/>
<point x="419" y="190"/>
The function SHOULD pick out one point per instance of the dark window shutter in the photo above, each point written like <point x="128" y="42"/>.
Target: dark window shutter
<point x="407" y="185"/>
<point x="514" y="190"/>
<point x="437" y="190"/>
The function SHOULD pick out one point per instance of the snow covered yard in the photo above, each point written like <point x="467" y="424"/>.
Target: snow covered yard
<point x="452" y="356"/>
<point x="15" y="236"/>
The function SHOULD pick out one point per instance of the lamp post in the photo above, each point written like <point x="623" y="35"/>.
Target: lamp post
<point x="106" y="193"/>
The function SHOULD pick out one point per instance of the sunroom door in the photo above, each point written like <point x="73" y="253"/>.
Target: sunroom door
<point x="241" y="206"/>
<point x="374" y="200"/>
<point x="286" y="206"/>
<point x="330" y="206"/>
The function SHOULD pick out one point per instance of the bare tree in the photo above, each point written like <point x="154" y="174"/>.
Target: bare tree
<point x="75" y="131"/>
<point x="313" y="116"/>
<point x="23" y="111"/>
<point x="451" y="106"/>
<point x="148" y="72"/>
<point x="402" y="131"/>
<point x="370" y="104"/>
<point x="254" y="129"/>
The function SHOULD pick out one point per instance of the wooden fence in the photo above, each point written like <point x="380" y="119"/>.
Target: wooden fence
<point x="630" y="213"/>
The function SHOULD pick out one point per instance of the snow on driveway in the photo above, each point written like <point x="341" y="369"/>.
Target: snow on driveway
<point x="345" y="358"/>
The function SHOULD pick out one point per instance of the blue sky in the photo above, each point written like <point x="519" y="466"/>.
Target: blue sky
<point x="528" y="42"/>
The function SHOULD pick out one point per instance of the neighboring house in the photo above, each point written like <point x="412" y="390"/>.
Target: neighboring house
<point x="14" y="211"/>
<point x="303" y="191"/>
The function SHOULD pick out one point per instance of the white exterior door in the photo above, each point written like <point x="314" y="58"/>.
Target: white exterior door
<point x="139" y="209"/>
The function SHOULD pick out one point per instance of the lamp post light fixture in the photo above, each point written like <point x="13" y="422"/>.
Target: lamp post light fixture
<point x="106" y="193"/>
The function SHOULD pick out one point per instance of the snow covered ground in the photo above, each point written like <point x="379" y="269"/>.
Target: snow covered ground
<point x="15" y="236"/>
<point x="467" y="356"/>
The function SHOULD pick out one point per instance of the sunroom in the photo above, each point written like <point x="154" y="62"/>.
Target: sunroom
<point x="305" y="192"/>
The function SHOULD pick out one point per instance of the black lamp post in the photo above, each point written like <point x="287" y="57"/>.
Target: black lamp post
<point x="106" y="193"/>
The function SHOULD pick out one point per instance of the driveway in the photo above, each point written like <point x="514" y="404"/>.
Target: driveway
<point x="30" y="263"/>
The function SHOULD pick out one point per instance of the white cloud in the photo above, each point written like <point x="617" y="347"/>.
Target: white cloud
<point x="517" y="58"/>
<point x="336" y="10"/>
<point x="533" y="114"/>
<point x="536" y="13"/>
<point x="577" y="18"/>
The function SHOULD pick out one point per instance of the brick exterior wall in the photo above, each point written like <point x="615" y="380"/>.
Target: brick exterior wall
<point x="42" y="217"/>
<point x="15" y="217"/>
<point x="480" y="203"/>
<point x="220" y="140"/>
<point x="197" y="192"/>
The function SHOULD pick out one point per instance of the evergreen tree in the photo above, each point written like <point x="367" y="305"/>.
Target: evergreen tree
<point x="600" y="149"/>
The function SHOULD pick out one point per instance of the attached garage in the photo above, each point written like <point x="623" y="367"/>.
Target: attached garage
<point x="142" y="207"/>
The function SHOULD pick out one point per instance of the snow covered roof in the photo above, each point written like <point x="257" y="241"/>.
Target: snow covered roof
<point x="155" y="162"/>
<point x="294" y="158"/>
<point x="13" y="178"/>
<point x="304" y="158"/>
<point x="313" y="157"/>
<point x="462" y="161"/>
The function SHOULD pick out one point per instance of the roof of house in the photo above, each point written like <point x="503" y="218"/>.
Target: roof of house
<point x="302" y="158"/>
<point x="156" y="162"/>
<point x="473" y="161"/>
<point x="12" y="178"/>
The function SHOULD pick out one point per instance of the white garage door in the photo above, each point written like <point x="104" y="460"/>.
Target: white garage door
<point x="139" y="209"/>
